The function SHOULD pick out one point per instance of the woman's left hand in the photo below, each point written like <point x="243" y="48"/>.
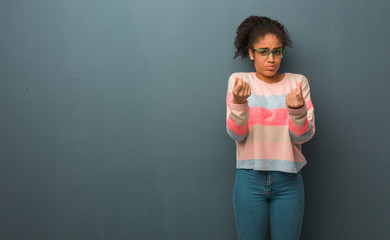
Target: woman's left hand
<point x="295" y="98"/>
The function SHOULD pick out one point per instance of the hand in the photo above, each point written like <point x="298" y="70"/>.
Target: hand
<point x="295" y="98"/>
<point x="241" y="91"/>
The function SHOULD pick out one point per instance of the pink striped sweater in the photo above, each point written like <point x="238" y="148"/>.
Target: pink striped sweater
<point x="267" y="133"/>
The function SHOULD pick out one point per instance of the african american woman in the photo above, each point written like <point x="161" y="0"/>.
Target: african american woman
<point x="269" y="115"/>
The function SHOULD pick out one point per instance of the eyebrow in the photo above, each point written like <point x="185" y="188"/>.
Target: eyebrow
<point x="268" y="48"/>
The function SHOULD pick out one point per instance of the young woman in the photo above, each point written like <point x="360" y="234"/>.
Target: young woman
<point x="269" y="115"/>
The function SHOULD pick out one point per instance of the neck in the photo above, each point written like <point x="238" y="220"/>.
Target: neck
<point x="272" y="79"/>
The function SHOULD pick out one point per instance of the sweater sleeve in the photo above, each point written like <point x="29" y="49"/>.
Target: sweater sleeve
<point x="237" y="115"/>
<point x="301" y="122"/>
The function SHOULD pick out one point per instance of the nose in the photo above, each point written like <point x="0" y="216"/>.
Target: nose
<point x="271" y="57"/>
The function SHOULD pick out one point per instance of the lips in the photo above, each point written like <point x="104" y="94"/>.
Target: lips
<point x="270" y="68"/>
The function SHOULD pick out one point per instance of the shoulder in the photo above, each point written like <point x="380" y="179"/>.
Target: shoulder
<point x="246" y="76"/>
<point x="241" y="74"/>
<point x="298" y="77"/>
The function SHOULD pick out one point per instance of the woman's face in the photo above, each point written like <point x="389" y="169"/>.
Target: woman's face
<point x="266" y="68"/>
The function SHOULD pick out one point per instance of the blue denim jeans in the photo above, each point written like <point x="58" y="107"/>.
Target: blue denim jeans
<point x="268" y="197"/>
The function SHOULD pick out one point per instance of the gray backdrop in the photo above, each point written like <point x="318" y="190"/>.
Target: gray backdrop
<point x="112" y="120"/>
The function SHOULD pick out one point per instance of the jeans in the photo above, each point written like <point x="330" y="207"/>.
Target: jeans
<point x="262" y="197"/>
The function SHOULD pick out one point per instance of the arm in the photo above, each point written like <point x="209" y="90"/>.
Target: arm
<point x="301" y="112"/>
<point x="237" y="108"/>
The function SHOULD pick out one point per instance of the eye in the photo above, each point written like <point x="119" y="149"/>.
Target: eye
<point x="278" y="52"/>
<point x="263" y="53"/>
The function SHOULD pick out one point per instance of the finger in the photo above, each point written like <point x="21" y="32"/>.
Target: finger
<point x="243" y="88"/>
<point x="249" y="90"/>
<point x="235" y="83"/>
<point x="238" y="87"/>
<point x="246" y="86"/>
<point x="288" y="100"/>
<point x="299" y="87"/>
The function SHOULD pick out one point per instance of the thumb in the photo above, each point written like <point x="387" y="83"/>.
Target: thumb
<point x="299" y="87"/>
<point x="235" y="83"/>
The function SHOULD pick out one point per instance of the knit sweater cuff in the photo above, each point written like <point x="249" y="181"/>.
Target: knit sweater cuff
<point x="297" y="111"/>
<point x="239" y="109"/>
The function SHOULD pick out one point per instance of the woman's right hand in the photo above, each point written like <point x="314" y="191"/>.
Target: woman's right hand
<point x="241" y="91"/>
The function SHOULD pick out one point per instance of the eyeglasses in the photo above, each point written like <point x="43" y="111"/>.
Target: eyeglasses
<point x="265" y="52"/>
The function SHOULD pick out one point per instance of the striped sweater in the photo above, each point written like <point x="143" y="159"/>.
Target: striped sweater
<point x="267" y="133"/>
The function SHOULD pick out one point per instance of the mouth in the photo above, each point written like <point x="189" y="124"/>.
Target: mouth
<point x="270" y="68"/>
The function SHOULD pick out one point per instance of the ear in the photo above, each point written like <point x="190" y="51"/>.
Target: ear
<point x="251" y="55"/>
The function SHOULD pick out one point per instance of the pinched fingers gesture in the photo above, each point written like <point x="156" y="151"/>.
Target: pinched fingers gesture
<point x="241" y="91"/>
<point x="295" y="98"/>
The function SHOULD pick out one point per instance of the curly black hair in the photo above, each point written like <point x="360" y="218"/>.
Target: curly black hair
<point x="255" y="27"/>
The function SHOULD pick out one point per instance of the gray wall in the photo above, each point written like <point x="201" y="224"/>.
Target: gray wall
<point x="112" y="118"/>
